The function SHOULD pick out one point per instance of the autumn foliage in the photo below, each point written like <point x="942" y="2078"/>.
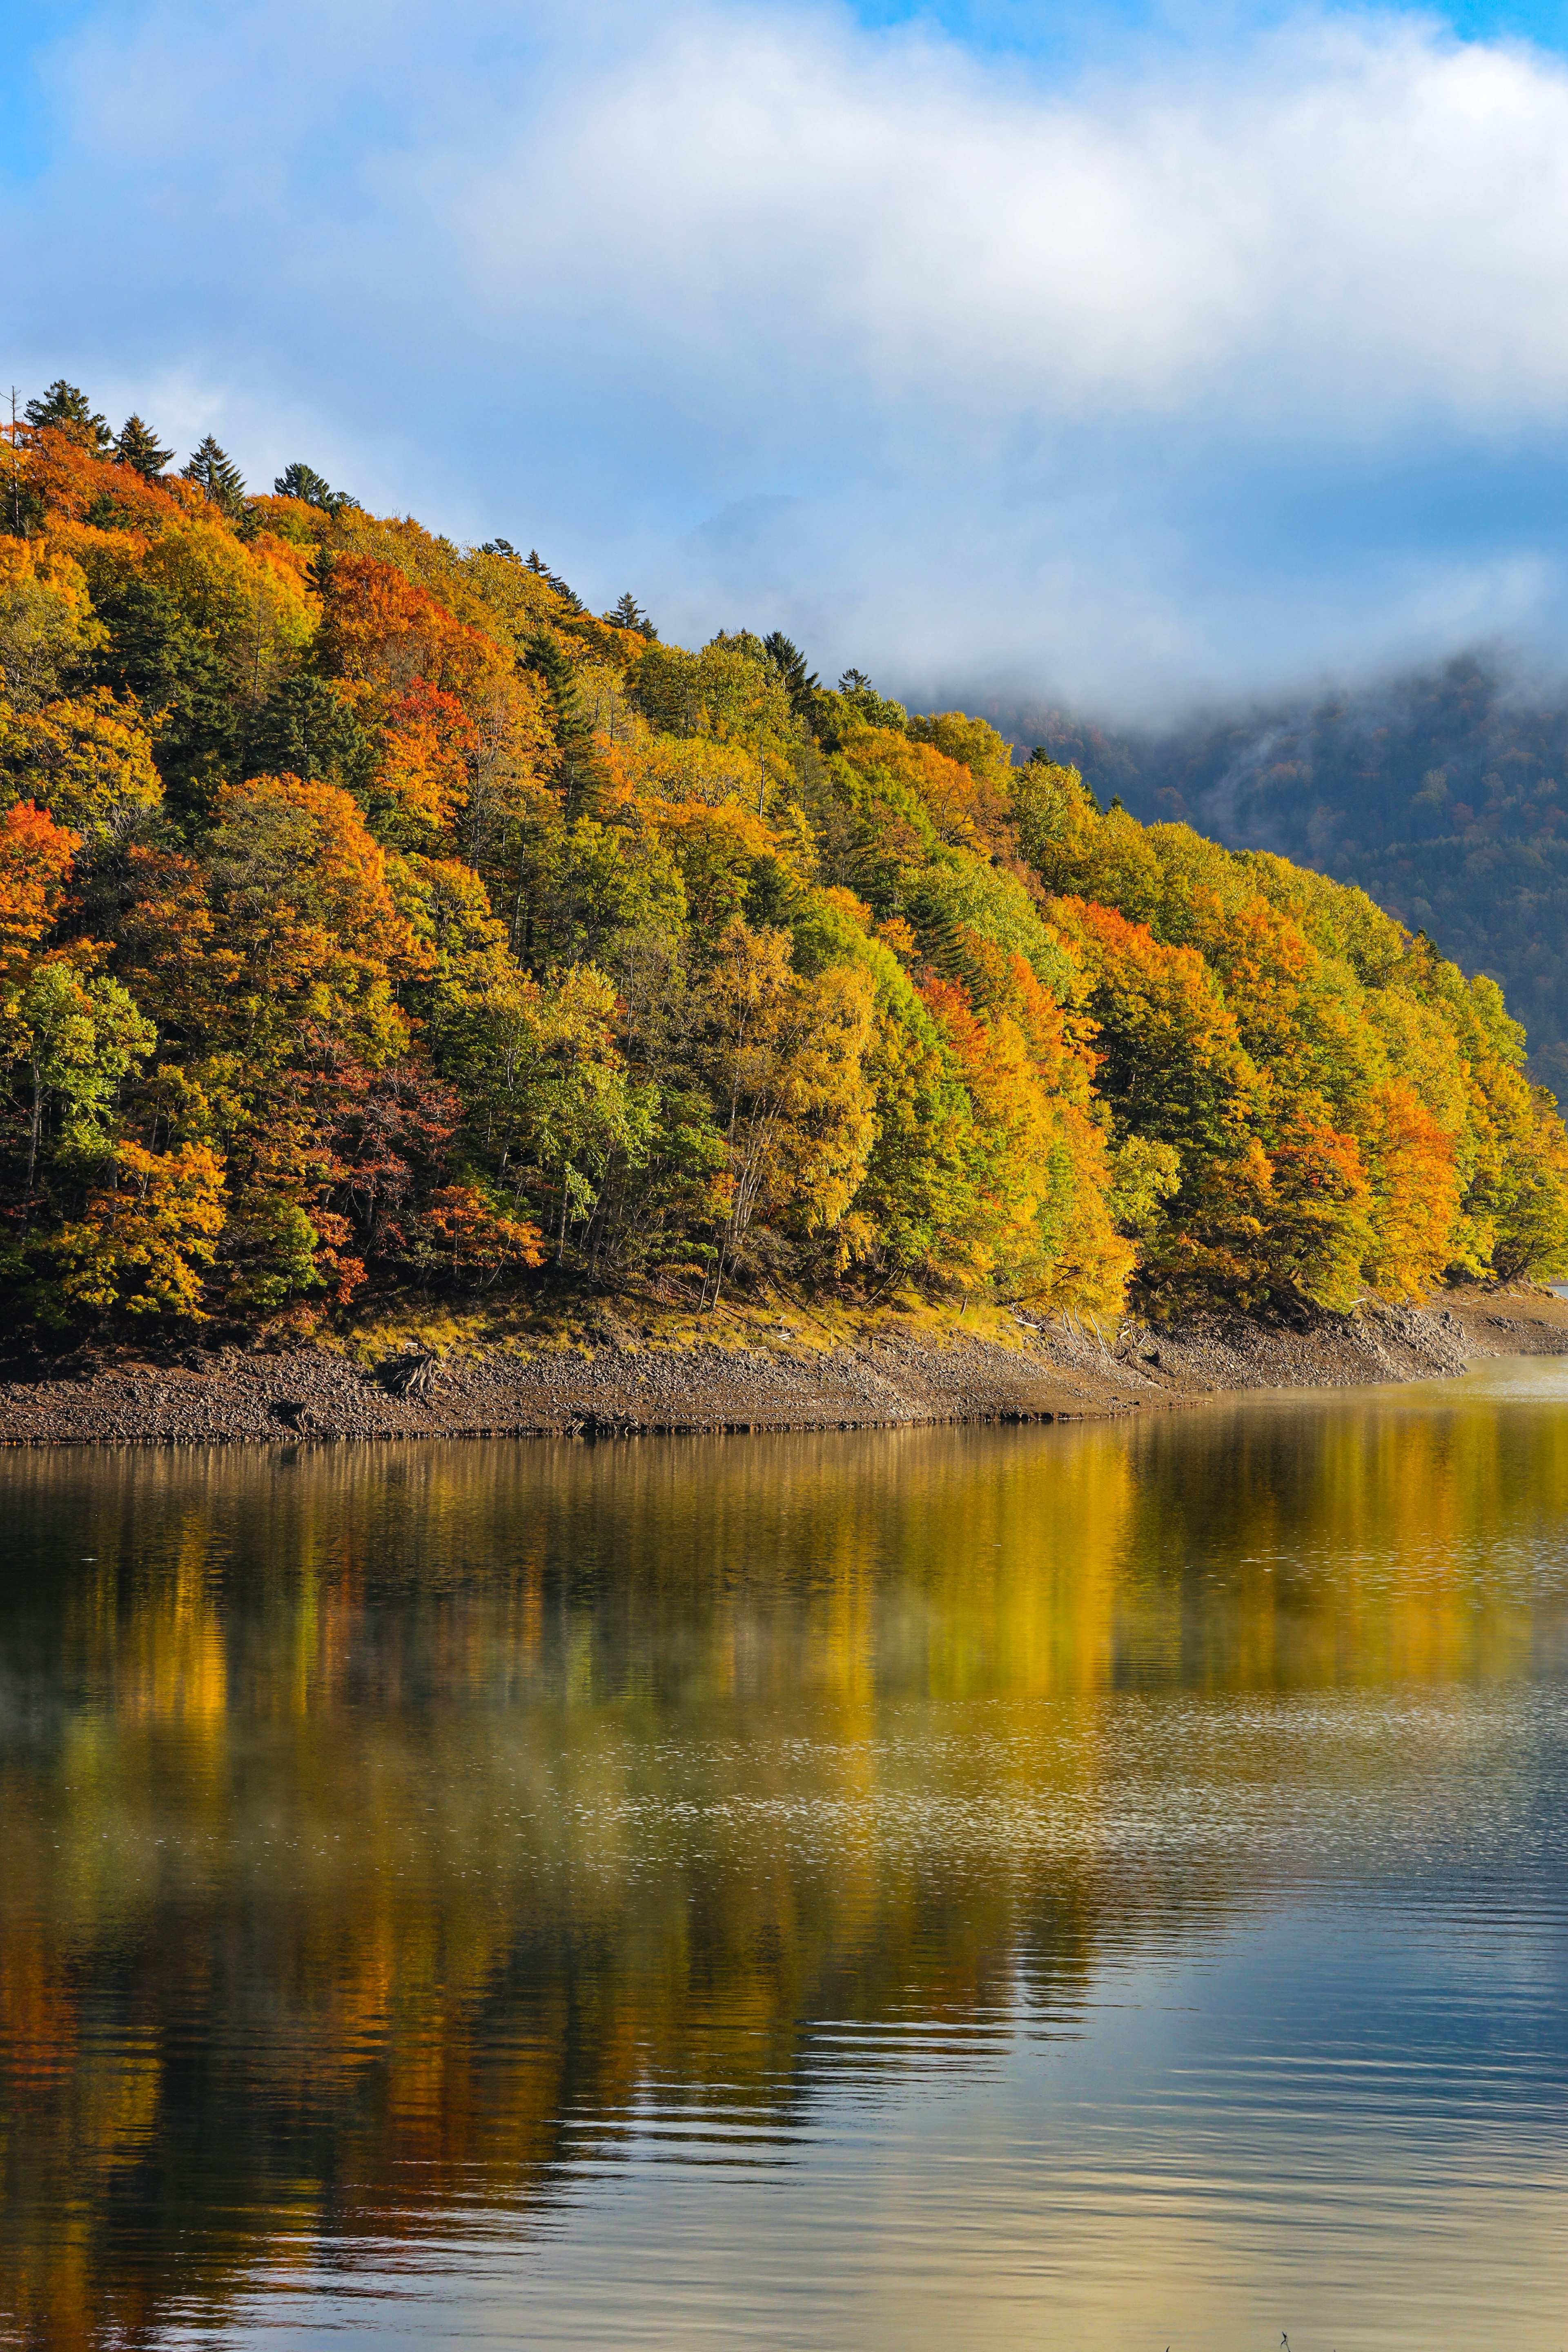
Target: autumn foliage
<point x="372" y="916"/>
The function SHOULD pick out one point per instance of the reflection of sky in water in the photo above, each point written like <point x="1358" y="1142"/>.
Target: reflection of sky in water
<point x="1323" y="2118"/>
<point x="1278" y="2129"/>
<point x="1099" y="1886"/>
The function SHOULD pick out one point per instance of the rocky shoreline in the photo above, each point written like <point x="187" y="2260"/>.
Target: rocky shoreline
<point x="629" y="1381"/>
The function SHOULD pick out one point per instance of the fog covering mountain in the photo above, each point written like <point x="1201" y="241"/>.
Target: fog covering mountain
<point x="1444" y="794"/>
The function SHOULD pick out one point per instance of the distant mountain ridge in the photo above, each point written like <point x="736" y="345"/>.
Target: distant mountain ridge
<point x="1445" y="795"/>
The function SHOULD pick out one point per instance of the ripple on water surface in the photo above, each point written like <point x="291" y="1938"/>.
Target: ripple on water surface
<point x="999" y="1888"/>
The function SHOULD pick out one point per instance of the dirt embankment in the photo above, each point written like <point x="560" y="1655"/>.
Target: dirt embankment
<point x="624" y="1378"/>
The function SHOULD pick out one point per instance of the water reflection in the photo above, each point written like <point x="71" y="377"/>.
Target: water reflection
<point x="431" y="1874"/>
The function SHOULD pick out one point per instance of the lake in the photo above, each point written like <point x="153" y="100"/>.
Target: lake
<point x="1098" y="1886"/>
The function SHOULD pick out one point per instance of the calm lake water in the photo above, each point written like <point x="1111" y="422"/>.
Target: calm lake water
<point x="1097" y="1886"/>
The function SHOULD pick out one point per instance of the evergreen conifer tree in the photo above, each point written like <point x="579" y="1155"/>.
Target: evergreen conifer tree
<point x="582" y="773"/>
<point x="878" y="709"/>
<point x="66" y="407"/>
<point x="215" y="473"/>
<point x="299" y="480"/>
<point x="629" y="615"/>
<point x="536" y="565"/>
<point x="136" y="445"/>
<point x="302" y="481"/>
<point x="799" y="683"/>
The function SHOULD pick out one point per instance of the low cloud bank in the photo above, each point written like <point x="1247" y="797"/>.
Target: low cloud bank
<point x="1131" y="390"/>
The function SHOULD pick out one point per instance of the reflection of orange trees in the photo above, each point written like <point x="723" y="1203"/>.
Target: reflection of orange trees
<point x="1341" y="1548"/>
<point x="75" y="2116"/>
<point x="409" y="1818"/>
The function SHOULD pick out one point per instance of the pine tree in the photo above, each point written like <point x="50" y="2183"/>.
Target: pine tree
<point x="66" y="408"/>
<point x="582" y="773"/>
<point x="214" y="473"/>
<point x="299" y="480"/>
<point x="537" y="566"/>
<point x="136" y="445"/>
<point x="629" y="615"/>
<point x="787" y="659"/>
<point x="876" y="710"/>
<point x="302" y="481"/>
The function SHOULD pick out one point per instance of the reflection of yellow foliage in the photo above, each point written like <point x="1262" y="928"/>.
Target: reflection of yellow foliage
<point x="37" y="2011"/>
<point x="439" y="1844"/>
<point x="173" y="1662"/>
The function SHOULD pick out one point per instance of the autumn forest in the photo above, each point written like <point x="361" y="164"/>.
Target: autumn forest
<point x="375" y="918"/>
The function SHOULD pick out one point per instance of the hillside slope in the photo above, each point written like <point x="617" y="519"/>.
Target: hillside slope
<point x="1445" y="796"/>
<point x="377" y="922"/>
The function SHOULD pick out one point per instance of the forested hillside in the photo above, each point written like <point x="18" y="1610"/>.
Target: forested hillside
<point x="375" y="918"/>
<point x="1444" y="796"/>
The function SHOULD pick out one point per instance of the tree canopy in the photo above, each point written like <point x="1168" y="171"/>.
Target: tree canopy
<point x="374" y="917"/>
<point x="1441" y="793"/>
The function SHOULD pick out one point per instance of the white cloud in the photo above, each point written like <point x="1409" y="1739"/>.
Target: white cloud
<point x="1351" y="226"/>
<point x="1102" y="388"/>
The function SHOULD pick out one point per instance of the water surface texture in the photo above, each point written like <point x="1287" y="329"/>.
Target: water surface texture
<point x="986" y="1888"/>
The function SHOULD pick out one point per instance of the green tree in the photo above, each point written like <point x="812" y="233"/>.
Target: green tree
<point x="550" y="1102"/>
<point x="581" y="773"/>
<point x="67" y="409"/>
<point x="299" y="480"/>
<point x="629" y="615"/>
<point x="71" y="1041"/>
<point x="306" y="729"/>
<point x="876" y="710"/>
<point x="137" y="445"/>
<point x="216" y="475"/>
<point x="789" y="663"/>
<point x="535" y="563"/>
<point x="158" y="653"/>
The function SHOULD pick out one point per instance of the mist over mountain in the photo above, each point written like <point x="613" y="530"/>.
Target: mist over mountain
<point x="1443" y="793"/>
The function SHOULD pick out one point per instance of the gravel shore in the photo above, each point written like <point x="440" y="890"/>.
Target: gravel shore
<point x="628" y="1383"/>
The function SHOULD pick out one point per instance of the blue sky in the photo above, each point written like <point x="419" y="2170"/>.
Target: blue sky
<point x="1023" y="28"/>
<point x="1129" y="355"/>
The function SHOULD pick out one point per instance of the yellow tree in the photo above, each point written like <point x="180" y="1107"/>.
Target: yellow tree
<point x="785" y="1058"/>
